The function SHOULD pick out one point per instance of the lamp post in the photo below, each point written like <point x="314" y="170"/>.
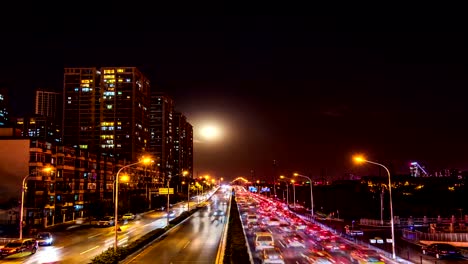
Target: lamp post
<point x="360" y="159"/>
<point x="294" y="191"/>
<point x="311" y="193"/>
<point x="23" y="189"/>
<point x="116" y="215"/>
<point x="184" y="173"/>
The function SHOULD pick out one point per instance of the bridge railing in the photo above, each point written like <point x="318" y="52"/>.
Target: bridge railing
<point x="446" y="237"/>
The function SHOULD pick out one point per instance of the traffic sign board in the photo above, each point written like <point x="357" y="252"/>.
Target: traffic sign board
<point x="166" y="190"/>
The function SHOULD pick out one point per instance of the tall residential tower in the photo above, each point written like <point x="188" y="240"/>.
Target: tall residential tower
<point x="106" y="110"/>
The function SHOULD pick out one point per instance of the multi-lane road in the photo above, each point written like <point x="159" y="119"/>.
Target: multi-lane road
<point x="81" y="243"/>
<point x="196" y="240"/>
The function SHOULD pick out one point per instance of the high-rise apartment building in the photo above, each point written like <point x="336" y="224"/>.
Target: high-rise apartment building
<point x="183" y="145"/>
<point x="106" y="110"/>
<point x="162" y="129"/>
<point x="4" y="107"/>
<point x="47" y="104"/>
<point x="37" y="127"/>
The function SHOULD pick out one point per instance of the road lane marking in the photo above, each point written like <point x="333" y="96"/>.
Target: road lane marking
<point x="86" y="251"/>
<point x="94" y="236"/>
<point x="186" y="244"/>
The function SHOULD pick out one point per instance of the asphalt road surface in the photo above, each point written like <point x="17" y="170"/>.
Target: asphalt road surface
<point x="196" y="240"/>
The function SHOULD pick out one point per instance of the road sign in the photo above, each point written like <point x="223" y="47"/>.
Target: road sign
<point x="166" y="190"/>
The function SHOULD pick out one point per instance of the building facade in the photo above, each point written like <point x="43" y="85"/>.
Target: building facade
<point x="80" y="183"/>
<point x="162" y="132"/>
<point x="4" y="108"/>
<point x="183" y="145"/>
<point x="47" y="103"/>
<point x="106" y="111"/>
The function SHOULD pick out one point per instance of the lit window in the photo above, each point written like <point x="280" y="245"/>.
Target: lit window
<point x="120" y="70"/>
<point x="128" y="80"/>
<point x="77" y="89"/>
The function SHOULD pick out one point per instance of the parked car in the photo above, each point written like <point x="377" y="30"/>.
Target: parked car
<point x="44" y="238"/>
<point x="441" y="250"/>
<point x="128" y="216"/>
<point x="19" y="246"/>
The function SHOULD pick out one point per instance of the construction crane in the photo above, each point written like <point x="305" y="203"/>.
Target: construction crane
<point x="417" y="170"/>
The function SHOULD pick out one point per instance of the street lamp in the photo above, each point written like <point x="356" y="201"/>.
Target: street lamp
<point x="145" y="160"/>
<point x="185" y="173"/>
<point x="311" y="193"/>
<point x="23" y="188"/>
<point x="360" y="159"/>
<point x="294" y="190"/>
<point x="287" y="192"/>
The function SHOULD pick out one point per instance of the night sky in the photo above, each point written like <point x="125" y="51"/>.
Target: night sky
<point x="306" y="91"/>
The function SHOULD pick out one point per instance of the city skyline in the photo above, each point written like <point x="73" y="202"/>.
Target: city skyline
<point x="308" y="92"/>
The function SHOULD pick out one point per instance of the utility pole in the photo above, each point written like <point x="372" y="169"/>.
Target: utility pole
<point x="274" y="179"/>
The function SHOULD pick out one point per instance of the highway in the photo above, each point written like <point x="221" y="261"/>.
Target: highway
<point x="196" y="240"/>
<point x="404" y="249"/>
<point x="81" y="243"/>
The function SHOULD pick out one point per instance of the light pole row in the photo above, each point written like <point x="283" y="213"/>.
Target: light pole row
<point x="144" y="160"/>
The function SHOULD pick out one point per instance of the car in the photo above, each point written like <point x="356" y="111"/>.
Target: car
<point x="272" y="256"/>
<point x="317" y="257"/>
<point x="441" y="250"/>
<point x="366" y="255"/>
<point x="19" y="246"/>
<point x="106" y="221"/>
<point x="285" y="228"/>
<point x="44" y="238"/>
<point x="334" y="245"/>
<point x="218" y="213"/>
<point x="251" y="218"/>
<point x="273" y="222"/>
<point x="263" y="240"/>
<point x="312" y="229"/>
<point x="170" y="214"/>
<point x="294" y="240"/>
<point x="323" y="235"/>
<point x="128" y="216"/>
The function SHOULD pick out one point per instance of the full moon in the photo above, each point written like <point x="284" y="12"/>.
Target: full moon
<point x="210" y="132"/>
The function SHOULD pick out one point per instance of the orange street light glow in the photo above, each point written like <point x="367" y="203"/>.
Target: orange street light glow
<point x="359" y="159"/>
<point x="125" y="178"/>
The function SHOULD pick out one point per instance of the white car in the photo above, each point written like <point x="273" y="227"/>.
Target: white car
<point x="273" y="222"/>
<point x="294" y="241"/>
<point x="106" y="221"/>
